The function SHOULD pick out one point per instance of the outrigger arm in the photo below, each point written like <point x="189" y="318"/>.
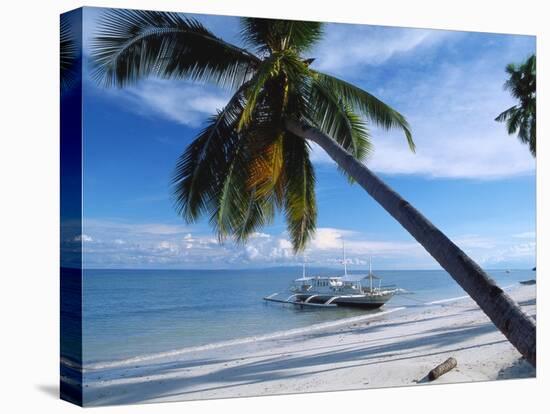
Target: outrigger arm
<point x="306" y="302"/>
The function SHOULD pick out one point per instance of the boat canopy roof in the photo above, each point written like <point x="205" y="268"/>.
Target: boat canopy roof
<point x="346" y="278"/>
<point x="357" y="278"/>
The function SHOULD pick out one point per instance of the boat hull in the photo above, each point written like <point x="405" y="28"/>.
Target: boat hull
<point x="359" y="301"/>
<point x="361" y="305"/>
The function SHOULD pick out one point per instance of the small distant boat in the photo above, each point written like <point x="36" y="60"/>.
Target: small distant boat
<point x="365" y="291"/>
<point x="508" y="271"/>
<point x="528" y="282"/>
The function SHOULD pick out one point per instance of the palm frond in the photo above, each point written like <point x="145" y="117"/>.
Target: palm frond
<point x="212" y="177"/>
<point x="513" y="122"/>
<point x="278" y="83"/>
<point x="273" y="96"/>
<point x="266" y="168"/>
<point x="533" y="137"/>
<point x="68" y="54"/>
<point x="360" y="138"/>
<point x="224" y="217"/>
<point x="521" y="118"/>
<point x="522" y="126"/>
<point x="503" y="116"/>
<point x="237" y="210"/>
<point x="368" y="105"/>
<point x="522" y="80"/>
<point x="133" y="44"/>
<point x="268" y="69"/>
<point x="272" y="35"/>
<point x="330" y="114"/>
<point x="293" y="87"/>
<point x="300" y="205"/>
<point x="259" y="212"/>
<point x="202" y="166"/>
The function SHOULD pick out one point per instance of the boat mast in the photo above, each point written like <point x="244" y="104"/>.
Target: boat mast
<point x="370" y="272"/>
<point x="345" y="261"/>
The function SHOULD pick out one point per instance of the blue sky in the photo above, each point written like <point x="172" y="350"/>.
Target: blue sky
<point x="468" y="176"/>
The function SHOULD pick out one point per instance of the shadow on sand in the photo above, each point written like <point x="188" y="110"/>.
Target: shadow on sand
<point x="277" y="366"/>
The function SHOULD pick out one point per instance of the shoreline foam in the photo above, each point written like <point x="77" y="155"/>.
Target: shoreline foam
<point x="356" y="354"/>
<point x="99" y="365"/>
<point x="238" y="341"/>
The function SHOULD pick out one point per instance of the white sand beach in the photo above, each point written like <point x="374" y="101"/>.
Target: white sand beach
<point x="396" y="348"/>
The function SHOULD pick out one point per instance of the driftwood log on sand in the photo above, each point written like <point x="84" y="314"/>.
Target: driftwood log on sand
<point x="441" y="369"/>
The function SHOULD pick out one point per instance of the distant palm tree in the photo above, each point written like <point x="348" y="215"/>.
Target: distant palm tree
<point x="522" y="118"/>
<point x="253" y="156"/>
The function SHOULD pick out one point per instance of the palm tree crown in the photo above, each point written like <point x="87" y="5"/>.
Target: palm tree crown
<point x="522" y="118"/>
<point x="245" y="164"/>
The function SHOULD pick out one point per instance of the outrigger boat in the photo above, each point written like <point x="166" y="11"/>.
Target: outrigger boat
<point x="365" y="291"/>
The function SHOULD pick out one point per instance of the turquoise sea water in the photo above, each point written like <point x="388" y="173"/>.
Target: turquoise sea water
<point x="129" y="313"/>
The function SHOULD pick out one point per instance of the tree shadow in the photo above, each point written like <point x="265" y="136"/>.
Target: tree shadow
<point x="276" y="367"/>
<point x="268" y="366"/>
<point x="424" y="380"/>
<point x="519" y="369"/>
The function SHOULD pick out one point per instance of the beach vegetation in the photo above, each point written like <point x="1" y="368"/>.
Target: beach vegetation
<point x="521" y="119"/>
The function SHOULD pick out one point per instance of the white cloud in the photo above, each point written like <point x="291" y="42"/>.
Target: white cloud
<point x="329" y="239"/>
<point x="451" y="112"/>
<point x="128" y="245"/>
<point x="284" y="244"/>
<point x="517" y="253"/>
<point x="166" y="246"/>
<point x="451" y="153"/>
<point x="328" y="244"/>
<point x="118" y="244"/>
<point x="182" y="102"/>
<point x="497" y="251"/>
<point x="122" y="227"/>
<point x="346" y="47"/>
<point x="83" y="237"/>
<point x="251" y="252"/>
<point x="525" y="235"/>
<point x="474" y="242"/>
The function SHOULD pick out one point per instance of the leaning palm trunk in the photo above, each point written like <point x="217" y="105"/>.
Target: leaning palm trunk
<point x="516" y="325"/>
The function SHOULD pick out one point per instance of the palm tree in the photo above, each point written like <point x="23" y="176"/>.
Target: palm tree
<point x="252" y="157"/>
<point x="522" y="118"/>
